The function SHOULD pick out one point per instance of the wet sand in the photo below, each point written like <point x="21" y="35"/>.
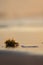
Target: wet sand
<point x="20" y="58"/>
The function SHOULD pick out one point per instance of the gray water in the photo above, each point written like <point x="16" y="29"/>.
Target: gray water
<point x="33" y="21"/>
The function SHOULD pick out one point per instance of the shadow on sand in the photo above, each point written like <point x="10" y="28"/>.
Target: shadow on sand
<point x="29" y="46"/>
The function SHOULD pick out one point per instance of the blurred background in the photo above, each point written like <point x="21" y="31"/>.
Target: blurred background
<point x="21" y="12"/>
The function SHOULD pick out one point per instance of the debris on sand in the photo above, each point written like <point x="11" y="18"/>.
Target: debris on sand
<point x="11" y="43"/>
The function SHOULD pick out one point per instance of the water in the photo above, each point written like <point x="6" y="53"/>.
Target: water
<point x="27" y="22"/>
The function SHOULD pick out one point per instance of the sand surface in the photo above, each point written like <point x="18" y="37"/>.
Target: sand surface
<point x="25" y="36"/>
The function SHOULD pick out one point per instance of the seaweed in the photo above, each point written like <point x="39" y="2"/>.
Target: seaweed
<point x="11" y="43"/>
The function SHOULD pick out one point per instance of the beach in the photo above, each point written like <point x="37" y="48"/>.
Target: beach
<point x="21" y="22"/>
<point x="24" y="36"/>
<point x="27" y="36"/>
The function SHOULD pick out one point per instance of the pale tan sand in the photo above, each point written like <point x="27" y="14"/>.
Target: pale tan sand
<point x="25" y="36"/>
